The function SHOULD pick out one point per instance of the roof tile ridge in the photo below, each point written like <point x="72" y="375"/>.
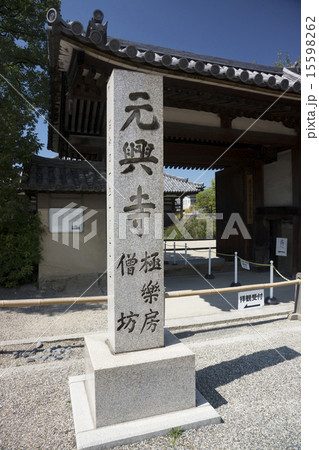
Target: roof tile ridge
<point x="176" y="177"/>
<point x="71" y="163"/>
<point x="199" y="56"/>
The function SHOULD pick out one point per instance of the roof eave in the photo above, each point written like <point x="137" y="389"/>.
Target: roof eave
<point x="175" y="61"/>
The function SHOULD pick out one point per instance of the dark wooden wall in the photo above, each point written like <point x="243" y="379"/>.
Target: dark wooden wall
<point x="230" y="198"/>
<point x="240" y="190"/>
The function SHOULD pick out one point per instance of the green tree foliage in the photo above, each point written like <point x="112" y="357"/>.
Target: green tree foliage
<point x="284" y="61"/>
<point x="23" y="82"/>
<point x="195" y="226"/>
<point x="206" y="200"/>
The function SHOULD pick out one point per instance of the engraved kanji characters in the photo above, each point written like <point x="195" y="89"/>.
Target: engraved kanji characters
<point x="138" y="152"/>
<point x="150" y="292"/>
<point x="151" y="262"/>
<point x="136" y="112"/>
<point x="127" y="322"/>
<point x="134" y="165"/>
<point x="139" y="207"/>
<point x="129" y="262"/>
<point x="150" y="321"/>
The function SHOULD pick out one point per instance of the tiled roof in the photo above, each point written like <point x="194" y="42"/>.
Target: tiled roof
<point x="175" y="60"/>
<point x="173" y="184"/>
<point x="55" y="175"/>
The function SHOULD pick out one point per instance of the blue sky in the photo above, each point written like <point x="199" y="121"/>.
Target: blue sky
<point x="247" y="30"/>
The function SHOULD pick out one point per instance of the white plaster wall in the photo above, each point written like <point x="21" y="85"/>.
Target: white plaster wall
<point x="59" y="260"/>
<point x="186" y="202"/>
<point x="278" y="181"/>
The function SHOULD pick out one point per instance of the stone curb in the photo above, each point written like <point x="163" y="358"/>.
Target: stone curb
<point x="181" y="323"/>
<point x="232" y="317"/>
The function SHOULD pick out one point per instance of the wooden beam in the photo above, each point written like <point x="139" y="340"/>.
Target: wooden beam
<point x="89" y="78"/>
<point x="197" y="150"/>
<point x="226" y="135"/>
<point x="206" y="155"/>
<point x="172" y="294"/>
<point x="253" y="101"/>
<point x="74" y="74"/>
<point x="188" y="154"/>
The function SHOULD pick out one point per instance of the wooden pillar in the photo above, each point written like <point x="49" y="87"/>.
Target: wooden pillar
<point x="260" y="240"/>
<point x="296" y="196"/>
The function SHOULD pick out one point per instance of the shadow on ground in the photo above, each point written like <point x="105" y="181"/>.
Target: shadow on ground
<point x="189" y="333"/>
<point x="57" y="309"/>
<point x="211" y="377"/>
<point x="30" y="292"/>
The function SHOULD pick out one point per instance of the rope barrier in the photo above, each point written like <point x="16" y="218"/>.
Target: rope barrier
<point x="280" y="274"/>
<point x="265" y="265"/>
<point x="224" y="254"/>
<point x="199" y="249"/>
<point x="255" y="264"/>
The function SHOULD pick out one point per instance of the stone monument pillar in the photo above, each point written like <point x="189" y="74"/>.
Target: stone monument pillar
<point x="134" y="211"/>
<point x="139" y="379"/>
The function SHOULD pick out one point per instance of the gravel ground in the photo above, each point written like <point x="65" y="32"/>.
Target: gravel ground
<point x="249" y="374"/>
<point x="38" y="321"/>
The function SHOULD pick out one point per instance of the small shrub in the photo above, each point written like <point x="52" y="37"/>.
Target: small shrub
<point x="20" y="243"/>
<point x="174" y="434"/>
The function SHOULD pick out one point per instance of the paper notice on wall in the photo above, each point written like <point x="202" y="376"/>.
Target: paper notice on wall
<point x="245" y="264"/>
<point x="66" y="220"/>
<point x="281" y="246"/>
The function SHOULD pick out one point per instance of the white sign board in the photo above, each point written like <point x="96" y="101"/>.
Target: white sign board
<point x="66" y="220"/>
<point x="245" y="264"/>
<point x="281" y="246"/>
<point x="251" y="299"/>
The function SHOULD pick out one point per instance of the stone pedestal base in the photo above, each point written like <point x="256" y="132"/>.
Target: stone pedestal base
<point x="129" y="397"/>
<point x="294" y="316"/>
